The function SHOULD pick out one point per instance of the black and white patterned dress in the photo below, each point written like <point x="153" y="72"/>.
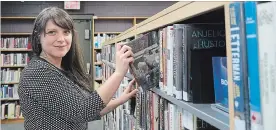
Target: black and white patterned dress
<point x="51" y="101"/>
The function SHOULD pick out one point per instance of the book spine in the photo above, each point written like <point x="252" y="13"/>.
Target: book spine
<point x="178" y="60"/>
<point x="161" y="84"/>
<point x="165" y="60"/>
<point x="187" y="96"/>
<point x="267" y="62"/>
<point x="170" y="60"/>
<point x="239" y="72"/>
<point x="250" y="12"/>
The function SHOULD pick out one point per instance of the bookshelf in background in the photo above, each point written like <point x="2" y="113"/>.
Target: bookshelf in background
<point x="15" y="54"/>
<point x="106" y="28"/>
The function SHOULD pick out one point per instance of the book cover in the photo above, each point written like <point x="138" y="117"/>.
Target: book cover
<point x="220" y="81"/>
<point x="204" y="41"/>
<point x="145" y="67"/>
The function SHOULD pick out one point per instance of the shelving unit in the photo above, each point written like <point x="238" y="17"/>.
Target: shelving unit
<point x="14" y="34"/>
<point x="12" y="121"/>
<point x="203" y="111"/>
<point x="177" y="13"/>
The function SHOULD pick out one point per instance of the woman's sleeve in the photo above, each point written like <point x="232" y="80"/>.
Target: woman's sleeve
<point x="47" y="89"/>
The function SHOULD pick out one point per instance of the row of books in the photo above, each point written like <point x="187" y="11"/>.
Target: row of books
<point x="9" y="91"/>
<point x="100" y="38"/>
<point x="14" y="59"/>
<point x="98" y="56"/>
<point x="11" y="111"/>
<point x="15" y="42"/>
<point x="98" y="72"/>
<point x="252" y="29"/>
<point x="150" y="111"/>
<point x="10" y="75"/>
<point x="188" y="62"/>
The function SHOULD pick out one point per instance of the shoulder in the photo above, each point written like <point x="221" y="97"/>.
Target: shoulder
<point x="38" y="68"/>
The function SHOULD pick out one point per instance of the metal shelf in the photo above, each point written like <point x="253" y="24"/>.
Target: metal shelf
<point x="202" y="111"/>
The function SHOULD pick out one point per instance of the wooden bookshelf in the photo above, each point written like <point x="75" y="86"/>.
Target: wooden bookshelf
<point x="15" y="34"/>
<point x="9" y="83"/>
<point x="18" y="17"/>
<point x="98" y="63"/>
<point x="98" y="79"/>
<point x="15" y="50"/>
<point x="12" y="121"/>
<point x="13" y="66"/>
<point x="108" y="32"/>
<point x="9" y="99"/>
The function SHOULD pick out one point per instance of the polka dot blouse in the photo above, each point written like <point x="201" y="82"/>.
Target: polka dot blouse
<point x="51" y="101"/>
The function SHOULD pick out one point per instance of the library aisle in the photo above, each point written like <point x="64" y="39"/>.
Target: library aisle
<point x="197" y="64"/>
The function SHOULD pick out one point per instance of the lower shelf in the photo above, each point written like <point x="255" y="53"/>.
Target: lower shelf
<point x="202" y="111"/>
<point x="12" y="121"/>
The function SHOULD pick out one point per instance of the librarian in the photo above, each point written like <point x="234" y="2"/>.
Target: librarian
<point x="54" y="91"/>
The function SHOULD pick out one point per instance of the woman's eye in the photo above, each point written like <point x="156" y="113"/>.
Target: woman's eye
<point x="67" y="32"/>
<point x="52" y="33"/>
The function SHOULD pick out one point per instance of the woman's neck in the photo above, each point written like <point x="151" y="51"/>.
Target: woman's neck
<point x="55" y="61"/>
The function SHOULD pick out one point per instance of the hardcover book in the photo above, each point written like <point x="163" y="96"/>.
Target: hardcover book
<point x="220" y="81"/>
<point x="145" y="67"/>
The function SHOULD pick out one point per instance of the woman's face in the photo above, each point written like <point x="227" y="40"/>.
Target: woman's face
<point x="56" y="41"/>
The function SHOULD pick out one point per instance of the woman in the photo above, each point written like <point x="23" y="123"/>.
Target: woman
<point x="54" y="91"/>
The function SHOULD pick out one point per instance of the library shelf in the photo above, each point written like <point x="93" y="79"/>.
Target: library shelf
<point x="13" y="66"/>
<point x="98" y="79"/>
<point x="8" y="83"/>
<point x="202" y="111"/>
<point x="18" y="17"/>
<point x="178" y="12"/>
<point x="12" y="121"/>
<point x="9" y="99"/>
<point x="14" y="33"/>
<point x="98" y="63"/>
<point x="107" y="33"/>
<point x="15" y="50"/>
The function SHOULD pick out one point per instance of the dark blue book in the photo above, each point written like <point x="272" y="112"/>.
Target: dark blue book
<point x="220" y="81"/>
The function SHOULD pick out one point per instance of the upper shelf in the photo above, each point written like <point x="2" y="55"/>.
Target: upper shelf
<point x="115" y="18"/>
<point x="13" y="33"/>
<point x="175" y="13"/>
<point x="18" y="17"/>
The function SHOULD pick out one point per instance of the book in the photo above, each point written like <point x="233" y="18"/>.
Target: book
<point x="145" y="67"/>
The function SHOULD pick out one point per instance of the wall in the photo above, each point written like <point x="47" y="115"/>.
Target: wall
<point x="98" y="8"/>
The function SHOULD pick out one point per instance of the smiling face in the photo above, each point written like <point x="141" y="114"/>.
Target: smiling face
<point x="55" y="41"/>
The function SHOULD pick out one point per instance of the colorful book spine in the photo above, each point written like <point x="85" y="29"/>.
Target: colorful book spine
<point x="250" y="12"/>
<point x="239" y="64"/>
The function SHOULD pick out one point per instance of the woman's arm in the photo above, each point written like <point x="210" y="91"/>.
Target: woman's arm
<point x="124" y="56"/>
<point x="126" y="95"/>
<point x="110" y="107"/>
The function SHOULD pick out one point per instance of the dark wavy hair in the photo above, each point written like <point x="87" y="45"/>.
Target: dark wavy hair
<point x="72" y="62"/>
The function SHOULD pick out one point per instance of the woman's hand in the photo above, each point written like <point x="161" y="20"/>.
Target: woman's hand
<point x="124" y="56"/>
<point x="128" y="93"/>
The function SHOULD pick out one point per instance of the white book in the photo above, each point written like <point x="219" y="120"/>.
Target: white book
<point x="170" y="60"/>
<point x="266" y="13"/>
